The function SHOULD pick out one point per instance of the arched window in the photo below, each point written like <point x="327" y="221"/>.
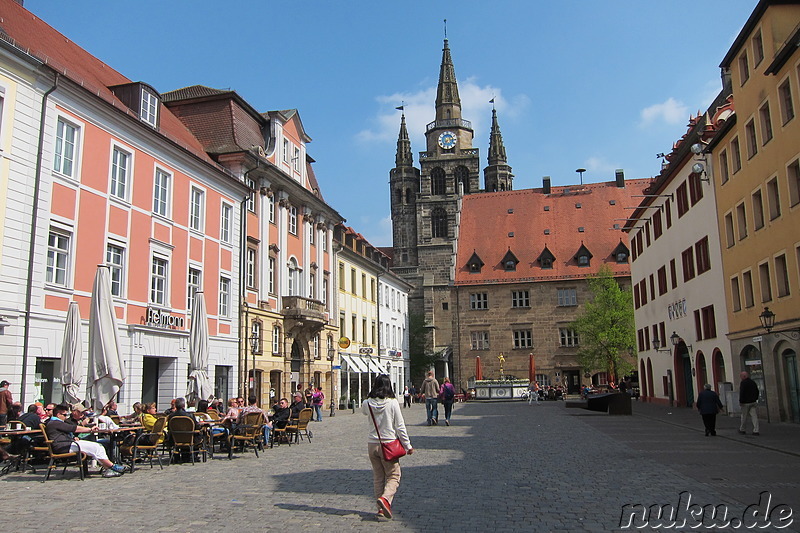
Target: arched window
<point x="438" y="183"/>
<point x="439" y="223"/>
<point x="276" y="339"/>
<point x="399" y="196"/>
<point x="409" y="198"/>
<point x="462" y="176"/>
<point x="294" y="278"/>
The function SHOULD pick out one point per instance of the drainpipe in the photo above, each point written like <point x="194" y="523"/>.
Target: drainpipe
<point x="32" y="245"/>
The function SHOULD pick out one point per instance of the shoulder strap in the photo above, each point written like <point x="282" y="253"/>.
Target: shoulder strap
<point x="378" y="431"/>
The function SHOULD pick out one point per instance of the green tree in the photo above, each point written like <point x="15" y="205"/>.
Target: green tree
<point x="606" y="328"/>
<point x="421" y="356"/>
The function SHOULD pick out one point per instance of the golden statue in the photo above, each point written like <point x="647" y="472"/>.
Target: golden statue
<point x="502" y="360"/>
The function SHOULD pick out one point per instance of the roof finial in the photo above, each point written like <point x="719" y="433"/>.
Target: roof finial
<point x="492" y="102"/>
<point x="445" y="29"/>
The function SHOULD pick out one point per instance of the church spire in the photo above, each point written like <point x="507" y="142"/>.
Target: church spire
<point x="404" y="158"/>
<point x="448" y="103"/>
<point x="497" y="152"/>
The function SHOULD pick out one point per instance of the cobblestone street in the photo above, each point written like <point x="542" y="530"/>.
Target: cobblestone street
<point x="500" y="466"/>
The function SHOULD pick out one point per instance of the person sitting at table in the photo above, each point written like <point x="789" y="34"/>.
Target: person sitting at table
<point x="171" y="408"/>
<point x="62" y="432"/>
<point x="281" y="414"/>
<point x="253" y="408"/>
<point x="233" y="411"/>
<point x="297" y="405"/>
<point x="149" y="419"/>
<point x="32" y="419"/>
<point x="180" y="410"/>
<point x="135" y="416"/>
<point x="110" y="409"/>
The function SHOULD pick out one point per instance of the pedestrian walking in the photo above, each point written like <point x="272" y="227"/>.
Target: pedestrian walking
<point x="448" y="394"/>
<point x="406" y="397"/>
<point x="748" y="400"/>
<point x="533" y="393"/>
<point x="385" y="425"/>
<point x="709" y="405"/>
<point x="6" y="402"/>
<point x="430" y="389"/>
<point x="318" y="400"/>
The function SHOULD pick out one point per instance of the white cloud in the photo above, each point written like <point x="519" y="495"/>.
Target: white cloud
<point x="379" y="234"/>
<point x="600" y="166"/>
<point x="670" y="111"/>
<point x="420" y="110"/>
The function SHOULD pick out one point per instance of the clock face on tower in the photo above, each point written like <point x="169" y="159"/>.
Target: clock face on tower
<point x="447" y="140"/>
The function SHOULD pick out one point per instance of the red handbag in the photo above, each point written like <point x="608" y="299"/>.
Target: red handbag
<point x="392" y="450"/>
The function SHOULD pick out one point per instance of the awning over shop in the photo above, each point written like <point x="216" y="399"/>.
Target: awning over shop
<point x="356" y="364"/>
<point x="373" y="367"/>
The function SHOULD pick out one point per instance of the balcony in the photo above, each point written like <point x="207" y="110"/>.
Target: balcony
<point x="449" y="123"/>
<point x="303" y="315"/>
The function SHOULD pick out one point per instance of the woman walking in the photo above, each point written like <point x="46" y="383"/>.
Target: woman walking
<point x="383" y="410"/>
<point x="447" y="393"/>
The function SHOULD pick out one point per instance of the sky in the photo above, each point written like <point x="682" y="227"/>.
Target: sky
<point x="600" y="85"/>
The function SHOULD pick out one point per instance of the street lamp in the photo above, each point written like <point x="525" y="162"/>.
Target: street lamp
<point x="767" y="319"/>
<point x="331" y="358"/>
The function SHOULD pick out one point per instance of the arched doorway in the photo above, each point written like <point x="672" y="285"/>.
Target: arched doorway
<point x="792" y="383"/>
<point x="701" y="370"/>
<point x="643" y="379"/>
<point x="296" y="365"/>
<point x="684" y="390"/>
<point x="276" y="386"/>
<point x="650" y="385"/>
<point x="718" y="363"/>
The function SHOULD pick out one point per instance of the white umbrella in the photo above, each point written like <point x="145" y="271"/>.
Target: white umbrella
<point x="106" y="371"/>
<point x="72" y="373"/>
<point x="199" y="385"/>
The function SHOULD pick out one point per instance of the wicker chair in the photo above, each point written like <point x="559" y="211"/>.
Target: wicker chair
<point x="299" y="426"/>
<point x="58" y="459"/>
<point x="248" y="433"/>
<point x="184" y="437"/>
<point x="144" y="445"/>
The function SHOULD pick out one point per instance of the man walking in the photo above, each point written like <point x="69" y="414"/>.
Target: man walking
<point x="430" y="388"/>
<point x="748" y="400"/>
<point x="5" y="401"/>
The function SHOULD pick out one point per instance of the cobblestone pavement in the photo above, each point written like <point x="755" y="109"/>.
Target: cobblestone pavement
<point x="500" y="466"/>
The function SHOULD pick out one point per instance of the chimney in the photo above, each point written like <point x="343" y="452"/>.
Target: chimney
<point x="546" y="185"/>
<point x="620" y="175"/>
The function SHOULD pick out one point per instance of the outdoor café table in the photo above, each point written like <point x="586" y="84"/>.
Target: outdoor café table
<point x="14" y="434"/>
<point x="116" y="436"/>
<point x="205" y="427"/>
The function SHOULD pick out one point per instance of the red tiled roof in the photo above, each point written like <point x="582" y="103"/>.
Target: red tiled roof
<point x="44" y="42"/>
<point x="494" y="223"/>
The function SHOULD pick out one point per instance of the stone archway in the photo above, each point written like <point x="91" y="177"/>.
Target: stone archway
<point x="701" y="370"/>
<point x="683" y="382"/>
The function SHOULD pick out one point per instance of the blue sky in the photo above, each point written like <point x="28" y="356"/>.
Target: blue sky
<point x="594" y="84"/>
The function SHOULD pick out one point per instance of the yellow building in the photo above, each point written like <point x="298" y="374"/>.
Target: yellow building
<point x="756" y="162"/>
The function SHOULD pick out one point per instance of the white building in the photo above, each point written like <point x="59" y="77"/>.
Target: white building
<point x="393" y="333"/>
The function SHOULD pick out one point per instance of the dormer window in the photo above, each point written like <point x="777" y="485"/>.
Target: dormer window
<point x="546" y="259"/>
<point x="621" y="253"/>
<point x="474" y="264"/>
<point x="510" y="261"/>
<point x="584" y="256"/>
<point x="148" y="111"/>
<point x="141" y="99"/>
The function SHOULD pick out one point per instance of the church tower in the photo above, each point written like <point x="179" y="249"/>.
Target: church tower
<point x="498" y="174"/>
<point x="404" y="186"/>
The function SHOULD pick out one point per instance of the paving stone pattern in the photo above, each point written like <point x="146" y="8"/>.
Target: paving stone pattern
<point x="499" y="467"/>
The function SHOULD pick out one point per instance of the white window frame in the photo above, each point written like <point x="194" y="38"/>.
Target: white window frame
<point x="193" y="286"/>
<point x="120" y="176"/>
<point x="60" y="157"/>
<point x="286" y="151"/>
<point x="296" y="159"/>
<point x="568" y="337"/>
<point x="226" y="223"/>
<point x="148" y="108"/>
<point x="276" y="339"/>
<point x="271" y="275"/>
<point x="159" y="280"/>
<point x="224" y="307"/>
<point x="272" y="209"/>
<point x="523" y="339"/>
<point x="520" y="298"/>
<point x="250" y="267"/>
<point x="115" y="259"/>
<point x="59" y="256"/>
<point x="292" y="219"/>
<point x="162" y="192"/>
<point x="197" y="197"/>
<point x="251" y="195"/>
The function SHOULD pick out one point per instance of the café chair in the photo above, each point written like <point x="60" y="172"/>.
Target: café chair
<point x="248" y="433"/>
<point x="299" y="426"/>
<point x="184" y="437"/>
<point x="58" y="459"/>
<point x="144" y="445"/>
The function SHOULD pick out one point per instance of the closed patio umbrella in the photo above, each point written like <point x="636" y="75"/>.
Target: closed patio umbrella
<point x="199" y="384"/>
<point x="72" y="373"/>
<point x="106" y="371"/>
<point x="478" y="369"/>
